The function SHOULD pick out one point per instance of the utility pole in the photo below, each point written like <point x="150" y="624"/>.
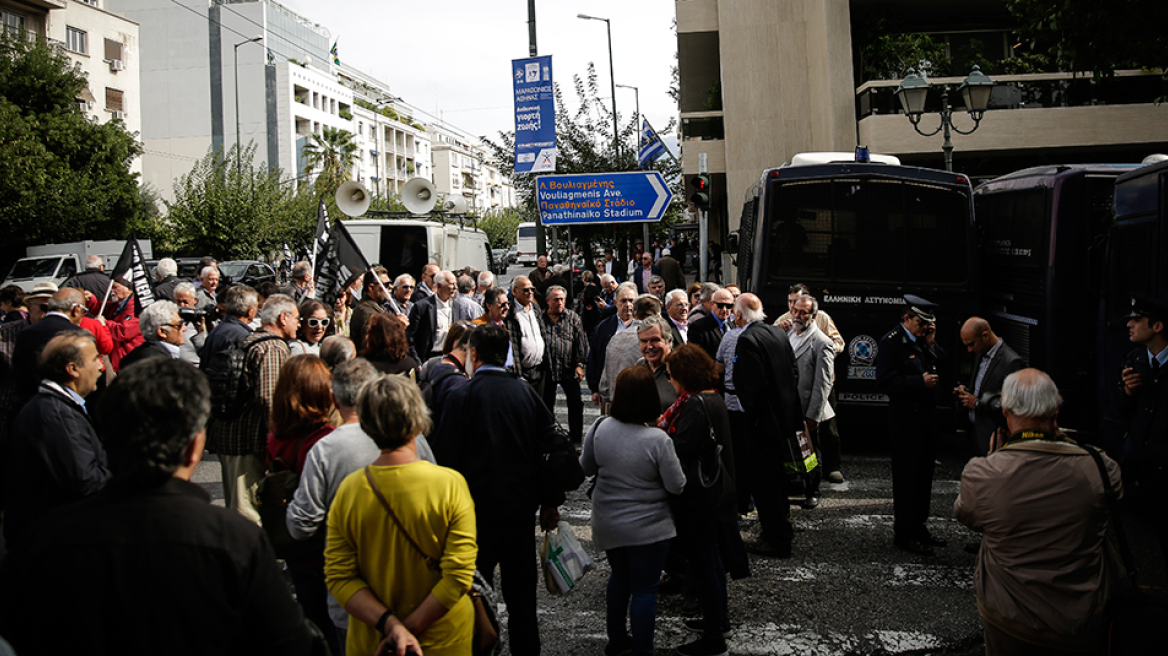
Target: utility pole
<point x="533" y="52"/>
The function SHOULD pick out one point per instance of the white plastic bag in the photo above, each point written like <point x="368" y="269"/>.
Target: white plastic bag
<point x="563" y="558"/>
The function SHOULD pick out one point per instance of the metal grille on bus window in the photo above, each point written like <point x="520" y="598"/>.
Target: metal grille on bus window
<point x="1015" y="333"/>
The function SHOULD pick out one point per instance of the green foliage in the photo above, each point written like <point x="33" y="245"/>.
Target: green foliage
<point x="500" y="225"/>
<point x="888" y="55"/>
<point x="332" y="152"/>
<point x="1099" y="36"/>
<point x="345" y="114"/>
<point x="235" y="211"/>
<point x="63" y="177"/>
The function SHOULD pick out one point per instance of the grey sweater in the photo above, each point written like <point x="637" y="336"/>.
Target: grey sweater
<point x="636" y="470"/>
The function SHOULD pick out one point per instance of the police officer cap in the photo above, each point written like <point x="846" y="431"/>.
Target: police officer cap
<point x="920" y="307"/>
<point x="1146" y="306"/>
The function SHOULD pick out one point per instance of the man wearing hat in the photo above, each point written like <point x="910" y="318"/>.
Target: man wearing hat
<point x="1143" y="404"/>
<point x="907" y="363"/>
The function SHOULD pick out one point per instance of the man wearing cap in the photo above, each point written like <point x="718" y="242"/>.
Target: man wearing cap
<point x="907" y="371"/>
<point x="1143" y="403"/>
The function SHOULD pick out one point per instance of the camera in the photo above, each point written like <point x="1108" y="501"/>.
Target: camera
<point x="192" y="315"/>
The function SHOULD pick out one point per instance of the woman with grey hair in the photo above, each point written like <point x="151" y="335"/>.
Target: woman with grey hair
<point x="401" y="536"/>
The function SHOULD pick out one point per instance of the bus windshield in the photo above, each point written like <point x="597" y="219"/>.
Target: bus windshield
<point x="527" y="231"/>
<point x="866" y="230"/>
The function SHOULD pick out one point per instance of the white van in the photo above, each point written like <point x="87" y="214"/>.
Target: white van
<point x="406" y="245"/>
<point x="525" y="242"/>
<point x="57" y="263"/>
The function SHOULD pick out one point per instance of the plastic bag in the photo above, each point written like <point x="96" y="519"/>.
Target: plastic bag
<point x="564" y="560"/>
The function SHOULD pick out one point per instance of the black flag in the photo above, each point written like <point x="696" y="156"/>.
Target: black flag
<point x="132" y="266"/>
<point x="340" y="259"/>
<point x="320" y="239"/>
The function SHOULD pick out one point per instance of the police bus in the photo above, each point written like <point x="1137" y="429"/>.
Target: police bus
<point x="1044" y="233"/>
<point x="861" y="235"/>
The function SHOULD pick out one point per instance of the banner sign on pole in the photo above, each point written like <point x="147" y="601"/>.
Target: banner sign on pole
<point x="602" y="198"/>
<point x="535" y="115"/>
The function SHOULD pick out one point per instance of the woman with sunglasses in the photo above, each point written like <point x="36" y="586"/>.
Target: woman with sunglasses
<point x="314" y="327"/>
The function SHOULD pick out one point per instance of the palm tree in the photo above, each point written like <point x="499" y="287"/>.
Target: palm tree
<point x="333" y="151"/>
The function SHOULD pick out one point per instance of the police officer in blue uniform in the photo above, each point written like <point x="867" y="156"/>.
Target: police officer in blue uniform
<point x="1142" y="402"/>
<point x="907" y="370"/>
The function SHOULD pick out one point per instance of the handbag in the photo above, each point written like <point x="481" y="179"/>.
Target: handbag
<point x="273" y="494"/>
<point x="559" y="467"/>
<point x="806" y="461"/>
<point x="709" y="471"/>
<point x="564" y="560"/>
<point x="1137" y="618"/>
<point x="486" y="615"/>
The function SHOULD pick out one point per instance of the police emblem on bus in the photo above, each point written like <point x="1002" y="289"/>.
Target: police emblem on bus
<point x="862" y="350"/>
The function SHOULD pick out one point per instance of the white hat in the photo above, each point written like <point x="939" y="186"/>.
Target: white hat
<point x="42" y="290"/>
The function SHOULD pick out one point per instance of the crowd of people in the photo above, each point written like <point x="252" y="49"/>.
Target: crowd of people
<point x="386" y="444"/>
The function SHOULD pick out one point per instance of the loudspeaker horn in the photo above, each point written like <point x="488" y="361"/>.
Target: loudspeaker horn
<point x="454" y="205"/>
<point x="352" y="198"/>
<point x="419" y="195"/>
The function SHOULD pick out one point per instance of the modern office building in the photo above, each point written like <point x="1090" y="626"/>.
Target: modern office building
<point x="762" y="80"/>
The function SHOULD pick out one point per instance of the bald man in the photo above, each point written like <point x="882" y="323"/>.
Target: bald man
<point x="993" y="360"/>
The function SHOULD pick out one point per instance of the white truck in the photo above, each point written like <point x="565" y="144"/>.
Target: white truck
<point x="406" y="245"/>
<point x="57" y="263"/>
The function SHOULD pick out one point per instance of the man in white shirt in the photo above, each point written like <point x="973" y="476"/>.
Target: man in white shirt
<point x="527" y="334"/>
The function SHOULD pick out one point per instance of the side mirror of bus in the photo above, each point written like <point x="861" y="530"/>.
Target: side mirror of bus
<point x="732" y="242"/>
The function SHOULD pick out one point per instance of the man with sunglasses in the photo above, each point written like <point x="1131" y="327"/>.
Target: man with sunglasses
<point x="400" y="302"/>
<point x="645" y="273"/>
<point x="528" y="334"/>
<point x="907" y="370"/>
<point x="707" y="331"/>
<point x="163" y="329"/>
<point x="373" y="298"/>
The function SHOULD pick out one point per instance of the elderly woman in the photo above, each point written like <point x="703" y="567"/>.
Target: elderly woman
<point x="656" y="342"/>
<point x="707" y="530"/>
<point x="314" y="327"/>
<point x="386" y="346"/>
<point x="401" y="536"/>
<point x="636" y="472"/>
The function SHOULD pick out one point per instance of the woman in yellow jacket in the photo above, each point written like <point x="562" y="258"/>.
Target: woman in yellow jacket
<point x="401" y="537"/>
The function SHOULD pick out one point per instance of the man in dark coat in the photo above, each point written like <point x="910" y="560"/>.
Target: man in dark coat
<point x="620" y="320"/>
<point x="671" y="271"/>
<point x="993" y="360"/>
<point x="54" y="456"/>
<point x="908" y="367"/>
<point x="240" y="304"/>
<point x="769" y="415"/>
<point x="424" y="331"/>
<point x="374" y="294"/>
<point x="491" y="431"/>
<point x="167" y="272"/>
<point x="643" y="273"/>
<point x="162" y="329"/>
<point x="707" y="331"/>
<point x="94" y="279"/>
<point x="65" y="310"/>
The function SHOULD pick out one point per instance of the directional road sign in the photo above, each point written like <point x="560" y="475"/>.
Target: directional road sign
<point x="602" y="198"/>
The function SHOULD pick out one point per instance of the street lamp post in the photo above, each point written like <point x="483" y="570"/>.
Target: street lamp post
<point x="238" y="146"/>
<point x="975" y="91"/>
<point x="611" y="78"/>
<point x="637" y="96"/>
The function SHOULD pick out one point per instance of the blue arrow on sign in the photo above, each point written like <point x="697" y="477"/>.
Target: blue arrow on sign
<point x="602" y="198"/>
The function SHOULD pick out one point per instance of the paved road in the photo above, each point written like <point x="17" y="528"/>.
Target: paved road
<point x="846" y="590"/>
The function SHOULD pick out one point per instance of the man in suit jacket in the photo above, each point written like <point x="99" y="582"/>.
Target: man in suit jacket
<point x="993" y="360"/>
<point x="432" y="317"/>
<point x="643" y="273"/>
<point x="707" y="331"/>
<point x="65" y="310"/>
<point x="671" y="271"/>
<point x="491" y="431"/>
<point x="620" y="320"/>
<point x="815" y="362"/>
<point x="766" y="417"/>
<point x="162" y="328"/>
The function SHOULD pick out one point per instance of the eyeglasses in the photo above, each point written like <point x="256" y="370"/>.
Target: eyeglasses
<point x="318" y="323"/>
<point x="176" y="326"/>
<point x="526" y="290"/>
<point x="725" y="306"/>
<point x="405" y="286"/>
<point x="503" y="305"/>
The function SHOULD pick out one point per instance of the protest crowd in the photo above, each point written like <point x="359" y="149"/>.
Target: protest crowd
<point x="388" y="446"/>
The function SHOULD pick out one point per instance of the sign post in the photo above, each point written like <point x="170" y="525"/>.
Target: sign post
<point x="535" y="115"/>
<point x="637" y="197"/>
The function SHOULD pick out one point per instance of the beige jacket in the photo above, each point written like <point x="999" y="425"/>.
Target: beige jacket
<point x="824" y="322"/>
<point x="1046" y="568"/>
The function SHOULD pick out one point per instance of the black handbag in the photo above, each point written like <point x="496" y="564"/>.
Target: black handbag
<point x="559" y="466"/>
<point x="273" y="494"/>
<point x="707" y="481"/>
<point x="1137" y="618"/>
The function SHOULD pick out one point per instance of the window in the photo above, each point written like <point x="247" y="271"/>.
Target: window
<point x="113" y="100"/>
<point x="14" y="24"/>
<point x="76" y="40"/>
<point x="91" y="3"/>
<point x="113" y="50"/>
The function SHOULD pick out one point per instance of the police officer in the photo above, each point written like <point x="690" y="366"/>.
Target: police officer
<point x="1142" y="402"/>
<point x="907" y="364"/>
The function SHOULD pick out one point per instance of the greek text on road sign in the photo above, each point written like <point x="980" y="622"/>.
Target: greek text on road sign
<point x="602" y="198"/>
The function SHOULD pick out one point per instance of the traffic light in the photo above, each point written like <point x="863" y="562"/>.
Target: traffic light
<point x="701" y="191"/>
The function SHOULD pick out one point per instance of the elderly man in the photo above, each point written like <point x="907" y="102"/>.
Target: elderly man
<point x="625" y="296"/>
<point x="65" y="309"/>
<point x="815" y="361"/>
<point x="163" y="330"/>
<point x="485" y="281"/>
<point x="641" y="275"/>
<point x="765" y="416"/>
<point x="208" y="288"/>
<point x="195" y="331"/>
<point x="656" y="342"/>
<point x="337" y="349"/>
<point x="374" y="288"/>
<point x="426" y="283"/>
<point x="677" y="311"/>
<point x="399" y="302"/>
<point x="993" y="360"/>
<point x="301" y="286"/>
<point x="567" y="353"/>
<point x="432" y="317"/>
<point x="528" y="335"/>
<point x="657" y="288"/>
<point x="708" y="331"/>
<point x="240" y="440"/>
<point x="607" y="265"/>
<point x="94" y="279"/>
<point x="240" y="305"/>
<point x="907" y="370"/>
<point x="624" y="349"/>
<point x="152" y="542"/>
<point x="822" y="319"/>
<point x="1045" y="573"/>
<point x="496" y="306"/>
<point x="167" y="274"/>
<point x="54" y="456"/>
<point x="540" y="273"/>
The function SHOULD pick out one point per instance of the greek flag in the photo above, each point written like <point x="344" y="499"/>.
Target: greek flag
<point x="651" y="146"/>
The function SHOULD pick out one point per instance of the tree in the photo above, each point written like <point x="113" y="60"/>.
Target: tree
<point x="235" y="211"/>
<point x="332" y="151"/>
<point x="500" y="226"/>
<point x="63" y="177"/>
<point x="1096" y="35"/>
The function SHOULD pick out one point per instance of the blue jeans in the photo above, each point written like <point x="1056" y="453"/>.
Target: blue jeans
<point x="636" y="571"/>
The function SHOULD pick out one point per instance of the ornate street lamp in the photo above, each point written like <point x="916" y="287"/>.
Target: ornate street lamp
<point x="975" y="91"/>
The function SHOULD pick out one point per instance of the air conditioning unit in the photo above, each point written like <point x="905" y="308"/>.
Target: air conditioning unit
<point x="117" y="65"/>
<point x="119" y="114"/>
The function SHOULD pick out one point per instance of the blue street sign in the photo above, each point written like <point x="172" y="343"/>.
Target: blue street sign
<point x="535" y="115"/>
<point x="602" y="198"/>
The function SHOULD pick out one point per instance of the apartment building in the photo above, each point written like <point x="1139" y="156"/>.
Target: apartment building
<point x="461" y="166"/>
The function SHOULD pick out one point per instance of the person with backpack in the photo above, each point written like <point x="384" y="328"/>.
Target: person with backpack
<point x="240" y="304"/>
<point x="243" y="382"/>
<point x="447" y="372"/>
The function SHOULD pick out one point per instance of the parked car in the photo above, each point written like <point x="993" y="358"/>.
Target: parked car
<point x="501" y="260"/>
<point x="188" y="267"/>
<point x="513" y="254"/>
<point x="247" y="272"/>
